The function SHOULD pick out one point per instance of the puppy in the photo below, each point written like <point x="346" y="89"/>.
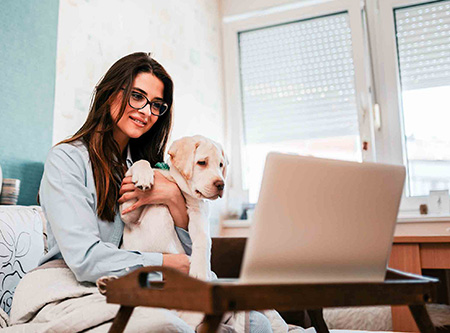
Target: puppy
<point x="198" y="165"/>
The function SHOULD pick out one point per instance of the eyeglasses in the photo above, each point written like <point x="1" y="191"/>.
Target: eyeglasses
<point x="138" y="101"/>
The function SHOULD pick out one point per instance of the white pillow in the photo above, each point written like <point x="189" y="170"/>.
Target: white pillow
<point x="21" y="247"/>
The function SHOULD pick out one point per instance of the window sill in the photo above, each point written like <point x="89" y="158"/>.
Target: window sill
<point x="417" y="218"/>
<point x="236" y="223"/>
<point x="402" y="218"/>
<point x="408" y="228"/>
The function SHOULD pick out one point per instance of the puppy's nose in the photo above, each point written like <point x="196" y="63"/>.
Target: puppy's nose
<point x="219" y="184"/>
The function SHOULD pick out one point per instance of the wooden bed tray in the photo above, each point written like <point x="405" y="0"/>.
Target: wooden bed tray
<point x="182" y="292"/>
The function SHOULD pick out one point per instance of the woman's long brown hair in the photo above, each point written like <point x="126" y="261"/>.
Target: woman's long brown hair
<point x="108" y="162"/>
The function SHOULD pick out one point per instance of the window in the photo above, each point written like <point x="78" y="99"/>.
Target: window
<point x="291" y="87"/>
<point x="298" y="93"/>
<point x="423" y="43"/>
<point x="308" y="78"/>
<point x="412" y="45"/>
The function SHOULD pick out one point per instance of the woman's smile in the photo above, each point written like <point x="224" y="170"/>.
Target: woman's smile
<point x="139" y="122"/>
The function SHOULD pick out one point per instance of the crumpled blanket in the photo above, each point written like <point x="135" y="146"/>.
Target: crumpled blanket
<point x="50" y="299"/>
<point x="4" y="319"/>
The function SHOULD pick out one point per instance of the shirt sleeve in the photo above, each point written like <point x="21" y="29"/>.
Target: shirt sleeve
<point x="185" y="239"/>
<point x="70" y="209"/>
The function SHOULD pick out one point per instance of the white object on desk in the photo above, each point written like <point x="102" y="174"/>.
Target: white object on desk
<point x="439" y="202"/>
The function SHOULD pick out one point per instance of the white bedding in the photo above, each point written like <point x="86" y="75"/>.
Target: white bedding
<point x="50" y="299"/>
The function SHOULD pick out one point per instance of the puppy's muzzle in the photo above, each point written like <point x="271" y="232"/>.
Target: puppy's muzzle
<point x="220" y="185"/>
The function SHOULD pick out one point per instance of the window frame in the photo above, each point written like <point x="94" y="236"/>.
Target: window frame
<point x="390" y="138"/>
<point x="237" y="195"/>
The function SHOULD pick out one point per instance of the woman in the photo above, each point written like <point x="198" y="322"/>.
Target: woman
<point x="130" y="119"/>
<point x="131" y="112"/>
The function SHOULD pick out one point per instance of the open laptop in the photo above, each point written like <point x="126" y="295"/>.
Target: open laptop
<point x="322" y="221"/>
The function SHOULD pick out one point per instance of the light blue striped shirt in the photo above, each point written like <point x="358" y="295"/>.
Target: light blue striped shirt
<point x="89" y="245"/>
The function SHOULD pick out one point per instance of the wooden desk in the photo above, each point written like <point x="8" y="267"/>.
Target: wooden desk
<point x="417" y="245"/>
<point x="412" y="254"/>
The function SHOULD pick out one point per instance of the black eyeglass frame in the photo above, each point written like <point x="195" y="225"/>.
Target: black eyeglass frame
<point x="148" y="103"/>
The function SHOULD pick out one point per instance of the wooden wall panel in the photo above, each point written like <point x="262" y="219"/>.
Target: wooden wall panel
<point x="435" y="256"/>
<point x="405" y="257"/>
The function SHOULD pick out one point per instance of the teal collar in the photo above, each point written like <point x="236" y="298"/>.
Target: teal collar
<point x="159" y="165"/>
<point x="162" y="166"/>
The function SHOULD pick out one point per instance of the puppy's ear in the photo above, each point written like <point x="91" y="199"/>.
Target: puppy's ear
<point x="225" y="159"/>
<point x="182" y="154"/>
<point x="225" y="164"/>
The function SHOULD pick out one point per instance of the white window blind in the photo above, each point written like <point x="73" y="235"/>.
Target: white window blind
<point x="423" y="40"/>
<point x="298" y="80"/>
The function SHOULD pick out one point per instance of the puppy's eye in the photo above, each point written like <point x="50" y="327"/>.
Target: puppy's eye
<point x="201" y="162"/>
<point x="221" y="165"/>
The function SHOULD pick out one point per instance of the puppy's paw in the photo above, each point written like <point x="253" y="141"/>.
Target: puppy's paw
<point x="200" y="272"/>
<point x="103" y="281"/>
<point x="142" y="175"/>
<point x="198" y="275"/>
<point x="132" y="218"/>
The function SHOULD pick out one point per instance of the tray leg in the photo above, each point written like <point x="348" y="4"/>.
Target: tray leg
<point x="210" y="323"/>
<point x="422" y="318"/>
<point x="121" y="319"/>
<point x="317" y="321"/>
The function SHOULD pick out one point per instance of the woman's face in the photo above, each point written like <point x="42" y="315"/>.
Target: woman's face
<point x="135" y="123"/>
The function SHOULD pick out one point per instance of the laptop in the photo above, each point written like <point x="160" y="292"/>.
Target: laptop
<point x="322" y="221"/>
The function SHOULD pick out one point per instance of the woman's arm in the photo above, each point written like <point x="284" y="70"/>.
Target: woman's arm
<point x="163" y="192"/>
<point x="177" y="261"/>
<point x="177" y="208"/>
<point x="88" y="245"/>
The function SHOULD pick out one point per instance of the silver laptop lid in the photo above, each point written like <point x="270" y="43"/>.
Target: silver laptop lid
<point x="320" y="220"/>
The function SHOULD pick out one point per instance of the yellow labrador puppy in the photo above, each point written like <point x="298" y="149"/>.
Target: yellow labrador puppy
<point x="198" y="165"/>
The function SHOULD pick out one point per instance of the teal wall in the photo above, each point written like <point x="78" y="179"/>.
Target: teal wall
<point x="28" y="33"/>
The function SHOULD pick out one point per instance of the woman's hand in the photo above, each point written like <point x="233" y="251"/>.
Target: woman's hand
<point x="162" y="192"/>
<point x="177" y="261"/>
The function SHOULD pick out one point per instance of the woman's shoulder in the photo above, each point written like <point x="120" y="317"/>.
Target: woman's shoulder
<point x="75" y="146"/>
<point x="76" y="151"/>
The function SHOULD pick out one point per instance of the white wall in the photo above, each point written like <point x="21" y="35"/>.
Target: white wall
<point x="236" y="7"/>
<point x="184" y="36"/>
